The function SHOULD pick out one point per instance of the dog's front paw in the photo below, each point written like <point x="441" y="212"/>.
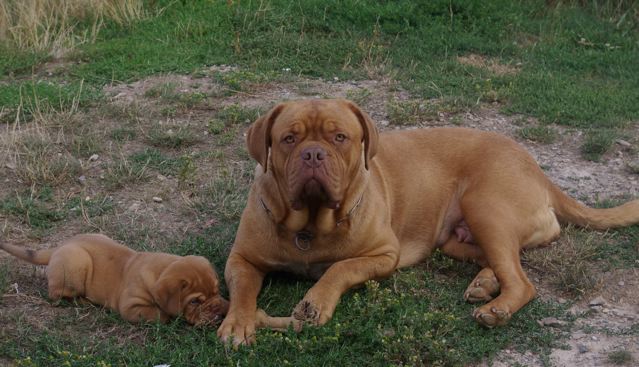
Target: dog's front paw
<point x="306" y="311"/>
<point x="481" y="289"/>
<point x="491" y="316"/>
<point x="312" y="313"/>
<point x="237" y="331"/>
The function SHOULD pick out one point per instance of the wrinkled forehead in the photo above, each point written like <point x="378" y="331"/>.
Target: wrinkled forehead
<point x="310" y="114"/>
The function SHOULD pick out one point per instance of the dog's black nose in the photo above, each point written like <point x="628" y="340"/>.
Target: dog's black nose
<point x="313" y="156"/>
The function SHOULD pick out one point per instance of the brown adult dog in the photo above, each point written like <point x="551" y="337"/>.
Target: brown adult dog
<point x="139" y="285"/>
<point x="321" y="206"/>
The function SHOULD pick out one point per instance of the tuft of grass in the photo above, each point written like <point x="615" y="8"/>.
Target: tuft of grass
<point x="86" y="144"/>
<point x="36" y="208"/>
<point x="620" y="357"/>
<point x="568" y="264"/>
<point x="91" y="207"/>
<point x="153" y="158"/>
<point x="123" y="171"/>
<point x="187" y="170"/>
<point x="236" y="114"/>
<point x="411" y="112"/>
<point x="597" y="143"/>
<point x="166" y="91"/>
<point x="4" y="277"/>
<point x="39" y="161"/>
<point x="122" y="134"/>
<point x="540" y="134"/>
<point x="171" y="136"/>
<point x="360" y="95"/>
<point x="224" y="196"/>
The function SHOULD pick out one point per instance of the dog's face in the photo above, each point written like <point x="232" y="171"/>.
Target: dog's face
<point x="315" y="147"/>
<point x="190" y="287"/>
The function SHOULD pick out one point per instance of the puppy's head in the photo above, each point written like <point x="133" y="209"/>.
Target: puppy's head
<point x="190" y="287"/>
<point x="313" y="147"/>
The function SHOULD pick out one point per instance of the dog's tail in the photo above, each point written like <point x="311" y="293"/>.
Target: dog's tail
<point x="569" y="210"/>
<point x="36" y="257"/>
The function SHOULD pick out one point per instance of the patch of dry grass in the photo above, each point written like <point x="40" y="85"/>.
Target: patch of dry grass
<point x="567" y="264"/>
<point x="53" y="25"/>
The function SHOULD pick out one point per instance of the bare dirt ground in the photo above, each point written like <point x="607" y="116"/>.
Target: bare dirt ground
<point x="601" y="327"/>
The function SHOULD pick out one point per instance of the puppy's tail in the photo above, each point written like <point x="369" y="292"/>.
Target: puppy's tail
<point x="569" y="210"/>
<point x="36" y="257"/>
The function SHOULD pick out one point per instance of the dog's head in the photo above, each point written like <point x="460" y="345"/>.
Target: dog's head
<point x="190" y="287"/>
<point x="313" y="148"/>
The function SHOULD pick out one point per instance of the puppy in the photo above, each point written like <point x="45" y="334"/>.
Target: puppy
<point x="141" y="286"/>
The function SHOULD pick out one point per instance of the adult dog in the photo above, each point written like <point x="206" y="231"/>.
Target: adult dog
<point x="141" y="286"/>
<point x="334" y="200"/>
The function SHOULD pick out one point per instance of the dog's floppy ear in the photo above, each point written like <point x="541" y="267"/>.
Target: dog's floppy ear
<point x="371" y="136"/>
<point x="258" y="138"/>
<point x="169" y="290"/>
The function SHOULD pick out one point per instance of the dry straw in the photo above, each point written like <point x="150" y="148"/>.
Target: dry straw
<point x="57" y="26"/>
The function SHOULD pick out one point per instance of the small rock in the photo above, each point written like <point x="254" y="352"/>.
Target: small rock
<point x="157" y="199"/>
<point x="594" y="338"/>
<point x="161" y="177"/>
<point x="621" y="283"/>
<point x="582" y="348"/>
<point x="94" y="158"/>
<point x="561" y="300"/>
<point x="623" y="143"/>
<point x="599" y="301"/>
<point x="82" y="179"/>
<point x="10" y="166"/>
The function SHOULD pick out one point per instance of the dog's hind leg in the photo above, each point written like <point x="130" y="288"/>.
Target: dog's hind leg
<point x="485" y="284"/>
<point x="498" y="230"/>
<point x="483" y="287"/>
<point x="67" y="272"/>
<point x="463" y="251"/>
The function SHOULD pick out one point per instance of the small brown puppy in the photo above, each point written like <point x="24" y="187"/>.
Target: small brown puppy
<point x="141" y="286"/>
<point x="335" y="200"/>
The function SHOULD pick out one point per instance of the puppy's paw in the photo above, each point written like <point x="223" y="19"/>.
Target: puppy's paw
<point x="481" y="289"/>
<point x="491" y="316"/>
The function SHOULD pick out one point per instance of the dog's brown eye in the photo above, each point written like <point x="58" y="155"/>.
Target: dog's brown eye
<point x="340" y="137"/>
<point x="195" y="301"/>
<point x="289" y="139"/>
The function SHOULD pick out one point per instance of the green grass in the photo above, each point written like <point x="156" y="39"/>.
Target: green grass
<point x="4" y="278"/>
<point x="541" y="134"/>
<point x="620" y="357"/>
<point x="36" y="208"/>
<point x="577" y="62"/>
<point x="597" y="143"/>
<point x="415" y="318"/>
<point x="171" y="136"/>
<point x="153" y="158"/>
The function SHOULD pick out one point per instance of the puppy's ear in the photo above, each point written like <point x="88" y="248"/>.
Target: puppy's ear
<point x="258" y="138"/>
<point x="169" y="290"/>
<point x="371" y="135"/>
